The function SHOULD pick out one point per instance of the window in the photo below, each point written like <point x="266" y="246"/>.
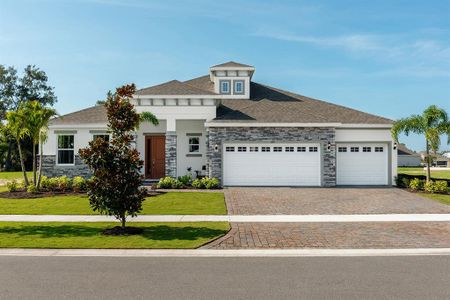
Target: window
<point x="238" y="87"/>
<point x="105" y="137"/>
<point x="242" y="149"/>
<point x="254" y="149"/>
<point x="229" y="149"/>
<point x="194" y="144"/>
<point x="277" y="149"/>
<point x="313" y="149"/>
<point x="289" y="149"/>
<point x="354" y="149"/>
<point x="367" y="149"/>
<point x="301" y="149"/>
<point x="342" y="149"/>
<point x="265" y="149"/>
<point x="225" y="87"/>
<point x="66" y="150"/>
<point x="379" y="149"/>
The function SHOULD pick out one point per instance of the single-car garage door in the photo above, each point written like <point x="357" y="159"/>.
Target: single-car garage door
<point x="249" y="164"/>
<point x="362" y="164"/>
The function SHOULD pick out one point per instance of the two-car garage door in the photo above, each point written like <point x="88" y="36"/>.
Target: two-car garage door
<point x="272" y="164"/>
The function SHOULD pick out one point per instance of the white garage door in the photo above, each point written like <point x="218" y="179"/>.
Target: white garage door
<point x="362" y="164"/>
<point x="271" y="164"/>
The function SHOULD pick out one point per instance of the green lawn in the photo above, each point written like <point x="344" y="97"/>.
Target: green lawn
<point x="445" y="199"/>
<point x="172" y="203"/>
<point x="88" y="235"/>
<point x="444" y="174"/>
<point x="14" y="175"/>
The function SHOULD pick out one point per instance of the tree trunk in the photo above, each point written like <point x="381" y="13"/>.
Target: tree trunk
<point x="22" y="164"/>
<point x="34" y="164"/>
<point x="428" y="163"/>
<point x="8" y="162"/>
<point x="123" y="219"/>
<point x="41" y="148"/>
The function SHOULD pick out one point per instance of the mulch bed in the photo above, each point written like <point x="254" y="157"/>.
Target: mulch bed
<point x="118" y="230"/>
<point x="25" y="195"/>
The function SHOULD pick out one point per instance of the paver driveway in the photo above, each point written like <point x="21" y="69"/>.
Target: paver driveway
<point x="328" y="201"/>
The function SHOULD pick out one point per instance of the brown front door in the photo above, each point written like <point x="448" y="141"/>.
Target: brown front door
<point x="155" y="157"/>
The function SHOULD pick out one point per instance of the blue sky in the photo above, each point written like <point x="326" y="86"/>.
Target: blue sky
<point x="390" y="58"/>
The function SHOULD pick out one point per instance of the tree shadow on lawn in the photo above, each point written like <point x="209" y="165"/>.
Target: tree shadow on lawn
<point x="158" y="232"/>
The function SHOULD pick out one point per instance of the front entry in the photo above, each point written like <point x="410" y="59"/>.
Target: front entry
<point x="155" y="157"/>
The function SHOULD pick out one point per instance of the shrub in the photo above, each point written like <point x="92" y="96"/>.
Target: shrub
<point x="441" y="187"/>
<point x="416" y="184"/>
<point x="436" y="187"/>
<point x="64" y="183"/>
<point x="79" y="184"/>
<point x="185" y="180"/>
<point x="32" y="189"/>
<point x="169" y="183"/>
<point x="12" y="186"/>
<point x="205" y="183"/>
<point x="405" y="182"/>
<point x="53" y="184"/>
<point x="44" y="182"/>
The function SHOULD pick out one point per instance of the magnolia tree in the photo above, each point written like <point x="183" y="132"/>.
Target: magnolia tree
<point x="115" y="188"/>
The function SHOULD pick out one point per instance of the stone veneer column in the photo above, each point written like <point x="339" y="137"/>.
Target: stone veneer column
<point x="217" y="136"/>
<point x="171" y="153"/>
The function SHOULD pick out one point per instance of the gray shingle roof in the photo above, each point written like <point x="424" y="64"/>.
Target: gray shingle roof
<point x="267" y="105"/>
<point x="91" y="115"/>
<point x="173" y="87"/>
<point x="232" y="64"/>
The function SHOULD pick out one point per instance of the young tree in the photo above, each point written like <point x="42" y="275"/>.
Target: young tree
<point x="115" y="187"/>
<point x="38" y="117"/>
<point x="432" y="123"/>
<point x="16" y="127"/>
<point x="14" y="90"/>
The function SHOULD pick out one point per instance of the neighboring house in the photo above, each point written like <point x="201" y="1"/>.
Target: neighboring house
<point x="437" y="160"/>
<point x="244" y="133"/>
<point x="407" y="157"/>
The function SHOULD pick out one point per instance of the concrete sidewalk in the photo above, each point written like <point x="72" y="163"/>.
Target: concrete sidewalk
<point x="235" y="218"/>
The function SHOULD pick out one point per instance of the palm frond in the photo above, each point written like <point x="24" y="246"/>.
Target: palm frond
<point x="149" y="117"/>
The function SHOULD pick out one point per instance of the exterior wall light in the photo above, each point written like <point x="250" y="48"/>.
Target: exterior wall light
<point x="329" y="146"/>
<point x="395" y="146"/>
<point x="216" y="148"/>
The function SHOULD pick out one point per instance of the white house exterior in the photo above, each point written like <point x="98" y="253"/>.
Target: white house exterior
<point x="407" y="157"/>
<point x="244" y="133"/>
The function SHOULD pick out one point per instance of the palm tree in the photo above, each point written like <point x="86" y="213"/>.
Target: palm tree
<point x="432" y="123"/>
<point x="38" y="117"/>
<point x="16" y="127"/>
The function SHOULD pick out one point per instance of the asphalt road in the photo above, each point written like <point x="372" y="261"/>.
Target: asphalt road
<point x="414" y="277"/>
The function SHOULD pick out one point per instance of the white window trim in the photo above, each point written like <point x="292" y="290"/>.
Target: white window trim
<point x="57" y="149"/>
<point x="242" y="82"/>
<point x="229" y="87"/>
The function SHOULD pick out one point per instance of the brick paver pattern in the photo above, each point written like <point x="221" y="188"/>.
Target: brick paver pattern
<point x="323" y="201"/>
<point x="335" y="235"/>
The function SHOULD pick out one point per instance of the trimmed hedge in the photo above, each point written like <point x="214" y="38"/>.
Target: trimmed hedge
<point x="417" y="183"/>
<point x="404" y="179"/>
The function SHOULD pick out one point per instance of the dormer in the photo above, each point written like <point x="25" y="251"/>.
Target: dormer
<point x="232" y="80"/>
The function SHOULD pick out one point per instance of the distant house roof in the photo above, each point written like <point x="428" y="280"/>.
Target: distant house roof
<point x="403" y="150"/>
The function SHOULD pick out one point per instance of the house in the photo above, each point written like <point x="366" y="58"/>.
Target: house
<point x="244" y="133"/>
<point x="438" y="160"/>
<point x="407" y="157"/>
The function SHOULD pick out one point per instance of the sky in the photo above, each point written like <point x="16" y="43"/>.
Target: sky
<point x="385" y="57"/>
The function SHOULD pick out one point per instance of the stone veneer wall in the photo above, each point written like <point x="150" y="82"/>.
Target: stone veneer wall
<point x="220" y="135"/>
<point x="171" y="154"/>
<point x="50" y="169"/>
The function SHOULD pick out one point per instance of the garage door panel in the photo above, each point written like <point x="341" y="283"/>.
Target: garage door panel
<point x="271" y="168"/>
<point x="362" y="168"/>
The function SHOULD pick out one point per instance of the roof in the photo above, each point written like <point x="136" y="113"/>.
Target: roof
<point x="91" y="115"/>
<point x="173" y="87"/>
<point x="232" y="64"/>
<point x="403" y="150"/>
<point x="266" y="105"/>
